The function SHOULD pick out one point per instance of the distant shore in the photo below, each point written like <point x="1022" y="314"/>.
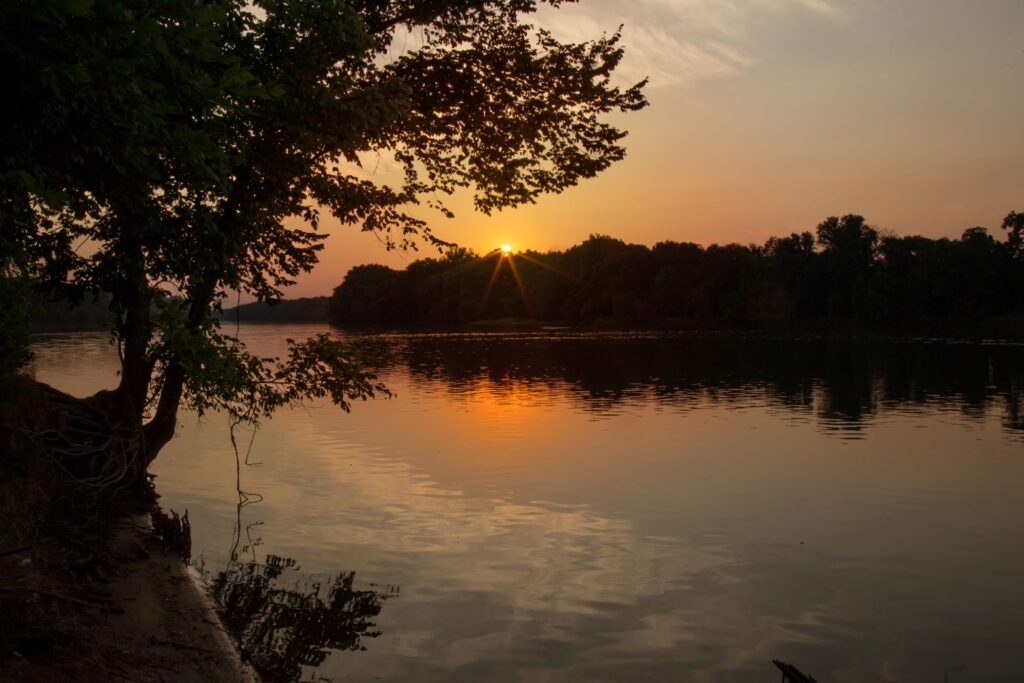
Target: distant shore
<point x="1008" y="327"/>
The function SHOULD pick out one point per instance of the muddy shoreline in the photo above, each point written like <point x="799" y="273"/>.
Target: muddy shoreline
<point x="150" y="619"/>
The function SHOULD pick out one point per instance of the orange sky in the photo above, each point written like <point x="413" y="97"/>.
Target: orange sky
<point x="767" y="116"/>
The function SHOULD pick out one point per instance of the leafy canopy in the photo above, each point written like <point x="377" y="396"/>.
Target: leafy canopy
<point x="170" y="152"/>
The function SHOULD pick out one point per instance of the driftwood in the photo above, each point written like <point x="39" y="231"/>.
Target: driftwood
<point x="791" y="674"/>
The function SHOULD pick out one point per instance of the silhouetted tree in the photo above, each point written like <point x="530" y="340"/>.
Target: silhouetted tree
<point x="1013" y="224"/>
<point x="371" y="295"/>
<point x="794" y="264"/>
<point x="848" y="247"/>
<point x="186" y="142"/>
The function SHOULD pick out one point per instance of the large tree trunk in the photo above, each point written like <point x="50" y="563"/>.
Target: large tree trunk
<point x="123" y="408"/>
<point x="132" y="299"/>
<point x="159" y="430"/>
<point x="136" y="368"/>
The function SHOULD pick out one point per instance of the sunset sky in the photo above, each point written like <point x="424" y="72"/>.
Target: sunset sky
<point x="767" y="116"/>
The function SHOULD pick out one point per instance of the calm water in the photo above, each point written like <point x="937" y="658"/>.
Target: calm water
<point x="561" y="507"/>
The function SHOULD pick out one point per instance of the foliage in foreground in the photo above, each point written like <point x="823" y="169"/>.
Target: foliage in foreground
<point x="191" y="148"/>
<point x="15" y="323"/>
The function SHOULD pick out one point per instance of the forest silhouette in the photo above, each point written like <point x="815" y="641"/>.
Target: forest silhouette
<point x="846" y="271"/>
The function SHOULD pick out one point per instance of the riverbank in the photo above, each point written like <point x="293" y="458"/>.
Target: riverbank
<point x="89" y="589"/>
<point x="134" y="612"/>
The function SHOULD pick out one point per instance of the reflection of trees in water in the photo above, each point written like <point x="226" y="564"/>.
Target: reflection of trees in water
<point x="283" y="626"/>
<point x="841" y="382"/>
<point x="284" y="623"/>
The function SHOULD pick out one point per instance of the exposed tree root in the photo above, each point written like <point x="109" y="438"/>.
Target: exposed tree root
<point x="90" y="446"/>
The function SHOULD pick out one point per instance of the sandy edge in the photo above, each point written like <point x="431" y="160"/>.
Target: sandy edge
<point x="222" y="639"/>
<point x="169" y="619"/>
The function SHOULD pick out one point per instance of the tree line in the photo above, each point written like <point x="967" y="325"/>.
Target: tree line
<point x="304" y="309"/>
<point x="846" y="271"/>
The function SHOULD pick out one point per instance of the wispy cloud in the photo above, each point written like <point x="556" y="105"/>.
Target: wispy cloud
<point x="675" y="42"/>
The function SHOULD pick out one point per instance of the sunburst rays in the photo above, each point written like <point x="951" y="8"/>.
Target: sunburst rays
<point x="506" y="254"/>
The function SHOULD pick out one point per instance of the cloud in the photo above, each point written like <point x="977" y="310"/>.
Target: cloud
<point x="677" y="42"/>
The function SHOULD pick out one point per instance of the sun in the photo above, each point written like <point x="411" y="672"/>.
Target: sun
<point x="506" y="249"/>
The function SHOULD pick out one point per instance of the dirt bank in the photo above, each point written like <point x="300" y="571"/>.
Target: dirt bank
<point x="88" y="590"/>
<point x="146" y="619"/>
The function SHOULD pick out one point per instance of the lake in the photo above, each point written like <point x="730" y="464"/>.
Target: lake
<point x="561" y="506"/>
